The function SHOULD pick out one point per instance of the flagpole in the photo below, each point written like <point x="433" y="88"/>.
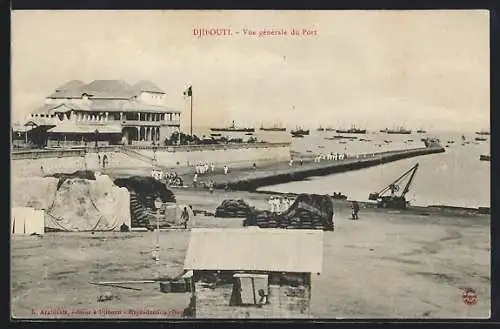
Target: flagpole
<point x="191" y="126"/>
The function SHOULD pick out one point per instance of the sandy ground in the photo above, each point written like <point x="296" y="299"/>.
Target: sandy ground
<point x="385" y="265"/>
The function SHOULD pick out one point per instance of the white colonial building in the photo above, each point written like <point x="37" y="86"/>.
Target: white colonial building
<point x="104" y="112"/>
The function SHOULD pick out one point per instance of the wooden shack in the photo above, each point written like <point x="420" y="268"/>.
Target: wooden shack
<point x="252" y="272"/>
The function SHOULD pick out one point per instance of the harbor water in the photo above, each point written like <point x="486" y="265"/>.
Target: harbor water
<point x="454" y="178"/>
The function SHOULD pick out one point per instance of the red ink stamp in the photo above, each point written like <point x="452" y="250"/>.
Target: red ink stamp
<point x="469" y="296"/>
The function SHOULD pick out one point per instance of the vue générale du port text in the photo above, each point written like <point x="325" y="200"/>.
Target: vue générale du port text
<point x="259" y="33"/>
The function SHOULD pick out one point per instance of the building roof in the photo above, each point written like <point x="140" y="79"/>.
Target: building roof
<point x="71" y="85"/>
<point x="145" y="85"/>
<point x="40" y="122"/>
<point x="276" y="250"/>
<point x="70" y="127"/>
<point x="106" y="89"/>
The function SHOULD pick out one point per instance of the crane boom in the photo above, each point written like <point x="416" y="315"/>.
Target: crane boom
<point x="407" y="187"/>
<point x="394" y="201"/>
<point x="414" y="169"/>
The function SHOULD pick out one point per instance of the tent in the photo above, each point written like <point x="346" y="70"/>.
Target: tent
<point x="26" y="221"/>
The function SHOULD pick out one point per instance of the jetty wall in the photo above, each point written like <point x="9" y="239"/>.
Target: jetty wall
<point x="297" y="173"/>
<point x="30" y="162"/>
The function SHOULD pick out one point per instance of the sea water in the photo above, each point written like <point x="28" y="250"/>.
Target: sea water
<point x="455" y="178"/>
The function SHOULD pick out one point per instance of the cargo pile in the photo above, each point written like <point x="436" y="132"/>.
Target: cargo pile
<point x="77" y="202"/>
<point x="233" y="209"/>
<point x="309" y="211"/>
<point x="143" y="192"/>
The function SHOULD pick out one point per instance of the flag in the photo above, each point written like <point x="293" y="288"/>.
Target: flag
<point x="189" y="92"/>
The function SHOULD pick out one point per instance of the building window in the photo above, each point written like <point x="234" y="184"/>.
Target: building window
<point x="249" y="289"/>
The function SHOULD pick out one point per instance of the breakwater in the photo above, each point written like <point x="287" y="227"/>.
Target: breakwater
<point x="297" y="172"/>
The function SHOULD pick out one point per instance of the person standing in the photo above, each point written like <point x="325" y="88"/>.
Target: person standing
<point x="355" y="210"/>
<point x="195" y="180"/>
<point x="185" y="217"/>
<point x="226" y="169"/>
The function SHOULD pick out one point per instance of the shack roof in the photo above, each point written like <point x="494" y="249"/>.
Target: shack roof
<point x="274" y="250"/>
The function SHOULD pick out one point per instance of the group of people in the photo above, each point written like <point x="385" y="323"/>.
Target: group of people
<point x="170" y="179"/>
<point x="330" y="156"/>
<point x="103" y="162"/>
<point x="203" y="168"/>
<point x="279" y="204"/>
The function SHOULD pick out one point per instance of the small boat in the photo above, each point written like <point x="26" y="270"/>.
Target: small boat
<point x="481" y="139"/>
<point x="410" y="140"/>
<point x="320" y="129"/>
<point x="451" y="141"/>
<point x="321" y="147"/>
<point x="485" y="157"/>
<point x="421" y="131"/>
<point x="233" y="128"/>
<point x="329" y="129"/>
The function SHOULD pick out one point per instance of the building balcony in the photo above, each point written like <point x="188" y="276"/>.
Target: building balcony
<point x="149" y="123"/>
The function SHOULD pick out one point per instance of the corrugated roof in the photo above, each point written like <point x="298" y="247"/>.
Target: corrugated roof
<point x="106" y="86"/>
<point x="145" y="85"/>
<point x="41" y="122"/>
<point x="70" y="127"/>
<point x="276" y="250"/>
<point x="71" y="85"/>
<point x="104" y="89"/>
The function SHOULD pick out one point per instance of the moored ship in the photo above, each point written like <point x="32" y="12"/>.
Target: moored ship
<point x="483" y="133"/>
<point x="299" y="132"/>
<point x="421" y="131"/>
<point x="233" y="128"/>
<point x="400" y="130"/>
<point x="273" y="128"/>
<point x="352" y="130"/>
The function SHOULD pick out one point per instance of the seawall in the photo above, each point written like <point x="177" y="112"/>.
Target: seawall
<point x="29" y="162"/>
<point x="272" y="176"/>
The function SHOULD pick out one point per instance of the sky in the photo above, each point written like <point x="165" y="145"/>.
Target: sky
<point x="372" y="69"/>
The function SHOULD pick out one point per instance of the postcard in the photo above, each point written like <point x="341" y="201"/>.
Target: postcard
<point x="171" y="164"/>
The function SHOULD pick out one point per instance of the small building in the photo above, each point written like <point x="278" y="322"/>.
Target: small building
<point x="252" y="272"/>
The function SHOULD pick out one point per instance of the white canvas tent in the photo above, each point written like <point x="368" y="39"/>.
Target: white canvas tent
<point x="26" y="221"/>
